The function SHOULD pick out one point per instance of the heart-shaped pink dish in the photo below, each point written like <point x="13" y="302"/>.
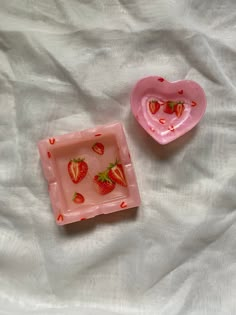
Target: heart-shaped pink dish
<point x="167" y="110"/>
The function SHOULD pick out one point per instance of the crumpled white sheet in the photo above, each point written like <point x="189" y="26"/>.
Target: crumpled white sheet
<point x="70" y="65"/>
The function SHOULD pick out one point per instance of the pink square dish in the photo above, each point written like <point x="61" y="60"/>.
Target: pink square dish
<point x="89" y="173"/>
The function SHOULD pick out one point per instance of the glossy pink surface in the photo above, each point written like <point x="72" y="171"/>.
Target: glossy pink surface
<point x="188" y="100"/>
<point x="98" y="148"/>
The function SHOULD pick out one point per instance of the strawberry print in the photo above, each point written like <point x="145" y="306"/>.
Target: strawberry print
<point x="60" y="218"/>
<point x="154" y="106"/>
<point x="161" y="79"/>
<point x="116" y="174"/>
<point x="169" y="107"/>
<point x="123" y="205"/>
<point x="193" y="104"/>
<point x="98" y="148"/>
<point x="78" y="198"/>
<point x="162" y="121"/>
<point x="180" y="91"/>
<point x="179" y="109"/>
<point x="171" y="128"/>
<point x="104" y="185"/>
<point x="77" y="169"/>
<point x="52" y="140"/>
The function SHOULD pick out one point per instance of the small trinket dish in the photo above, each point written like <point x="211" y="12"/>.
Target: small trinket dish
<point x="89" y="173"/>
<point x="167" y="110"/>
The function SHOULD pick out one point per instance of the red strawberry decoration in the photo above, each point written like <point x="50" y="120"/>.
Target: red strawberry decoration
<point x="161" y="79"/>
<point x="116" y="174"/>
<point x="52" y="140"/>
<point x="179" y="109"/>
<point x="60" y="218"/>
<point x="154" y="106"/>
<point x="78" y="198"/>
<point x="98" y="148"/>
<point x="162" y="121"/>
<point x="180" y="91"/>
<point x="169" y="107"/>
<point x="77" y="169"/>
<point x="171" y="128"/>
<point x="194" y="104"/>
<point x="104" y="184"/>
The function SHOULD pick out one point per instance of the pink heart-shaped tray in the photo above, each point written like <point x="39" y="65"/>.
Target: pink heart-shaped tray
<point x="167" y="110"/>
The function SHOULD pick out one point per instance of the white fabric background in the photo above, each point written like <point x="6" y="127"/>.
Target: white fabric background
<point x="70" y="65"/>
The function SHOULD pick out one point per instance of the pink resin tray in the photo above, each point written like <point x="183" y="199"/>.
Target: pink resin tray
<point x="89" y="173"/>
<point x="167" y="110"/>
